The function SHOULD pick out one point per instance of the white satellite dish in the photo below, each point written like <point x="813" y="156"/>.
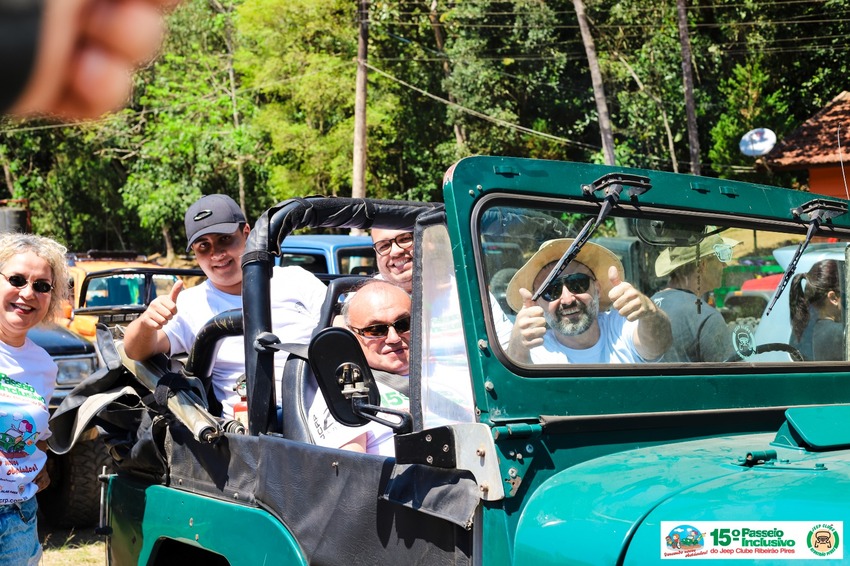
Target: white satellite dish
<point x="758" y="142"/>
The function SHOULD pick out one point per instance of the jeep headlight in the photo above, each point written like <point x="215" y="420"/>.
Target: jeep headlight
<point x="73" y="370"/>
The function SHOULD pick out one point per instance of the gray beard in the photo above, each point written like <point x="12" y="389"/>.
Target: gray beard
<point x="587" y="315"/>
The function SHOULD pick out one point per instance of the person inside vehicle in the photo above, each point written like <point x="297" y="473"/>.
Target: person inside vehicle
<point x="379" y="315"/>
<point x="575" y="307"/>
<point x="74" y="59"/>
<point x="394" y="249"/>
<point x="700" y="333"/>
<point x="816" y="321"/>
<point x="33" y="283"/>
<point x="217" y="233"/>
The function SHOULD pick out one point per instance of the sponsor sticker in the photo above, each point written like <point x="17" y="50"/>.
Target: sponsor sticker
<point x="752" y="540"/>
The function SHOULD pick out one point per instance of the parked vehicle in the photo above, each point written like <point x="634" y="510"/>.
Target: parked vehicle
<point x="107" y="291"/>
<point x="506" y="462"/>
<point x="330" y="253"/>
<point x="111" y="288"/>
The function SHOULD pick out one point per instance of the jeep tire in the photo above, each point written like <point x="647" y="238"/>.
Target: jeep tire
<point x="73" y="498"/>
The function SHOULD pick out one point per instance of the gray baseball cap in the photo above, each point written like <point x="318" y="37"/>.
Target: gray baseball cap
<point x="212" y="214"/>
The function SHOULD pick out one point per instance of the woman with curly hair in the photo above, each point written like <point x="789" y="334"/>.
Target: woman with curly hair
<point x="33" y="284"/>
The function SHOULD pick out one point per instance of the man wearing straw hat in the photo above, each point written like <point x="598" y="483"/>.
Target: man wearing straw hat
<point x="699" y="330"/>
<point x="586" y="315"/>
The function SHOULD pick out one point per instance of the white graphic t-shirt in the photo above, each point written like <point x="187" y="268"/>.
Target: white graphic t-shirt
<point x="27" y="380"/>
<point x="328" y="432"/>
<point x="296" y="301"/>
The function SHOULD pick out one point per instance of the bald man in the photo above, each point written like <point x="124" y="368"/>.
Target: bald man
<point x="379" y="315"/>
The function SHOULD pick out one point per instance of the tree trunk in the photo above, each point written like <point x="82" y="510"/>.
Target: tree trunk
<point x="671" y="147"/>
<point x="460" y="133"/>
<point x="358" y="181"/>
<point x="605" y="129"/>
<point x="169" y="245"/>
<point x="231" y="73"/>
<point x="688" y="80"/>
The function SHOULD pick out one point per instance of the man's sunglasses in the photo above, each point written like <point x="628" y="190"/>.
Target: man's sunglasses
<point x="404" y="241"/>
<point x="574" y="282"/>
<point x="19" y="282"/>
<point x="401" y="326"/>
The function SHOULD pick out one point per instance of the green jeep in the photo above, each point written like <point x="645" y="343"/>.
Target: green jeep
<point x="503" y="462"/>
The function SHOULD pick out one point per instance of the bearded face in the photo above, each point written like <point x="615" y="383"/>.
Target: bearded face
<point x="573" y="319"/>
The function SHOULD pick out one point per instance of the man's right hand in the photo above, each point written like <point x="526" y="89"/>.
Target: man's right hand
<point x="162" y="309"/>
<point x="529" y="328"/>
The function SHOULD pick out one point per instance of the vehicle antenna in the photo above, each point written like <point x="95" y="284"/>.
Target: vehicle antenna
<point x="841" y="161"/>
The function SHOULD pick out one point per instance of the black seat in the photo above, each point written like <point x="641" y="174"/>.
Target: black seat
<point x="298" y="384"/>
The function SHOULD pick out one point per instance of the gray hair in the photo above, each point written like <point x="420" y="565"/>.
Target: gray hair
<point x="51" y="251"/>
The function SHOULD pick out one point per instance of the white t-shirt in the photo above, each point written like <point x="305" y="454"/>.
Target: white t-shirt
<point x="296" y="303"/>
<point x="27" y="381"/>
<point x="379" y="438"/>
<point x="615" y="345"/>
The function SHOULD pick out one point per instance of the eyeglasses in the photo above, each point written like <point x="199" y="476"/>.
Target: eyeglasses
<point x="401" y="326"/>
<point x="723" y="252"/>
<point x="19" y="282"/>
<point x="574" y="282"/>
<point x="404" y="241"/>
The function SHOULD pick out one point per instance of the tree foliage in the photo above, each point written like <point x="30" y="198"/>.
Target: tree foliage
<point x="255" y="98"/>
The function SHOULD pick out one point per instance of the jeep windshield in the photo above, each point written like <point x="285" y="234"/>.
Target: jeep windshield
<point x="676" y="260"/>
<point x="679" y="262"/>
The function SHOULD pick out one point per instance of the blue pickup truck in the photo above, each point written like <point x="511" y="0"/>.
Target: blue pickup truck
<point x="330" y="253"/>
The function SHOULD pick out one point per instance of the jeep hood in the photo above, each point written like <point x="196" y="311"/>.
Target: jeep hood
<point x="617" y="509"/>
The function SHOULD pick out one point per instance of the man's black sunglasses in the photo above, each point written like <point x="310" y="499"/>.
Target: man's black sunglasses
<point x="19" y="282"/>
<point x="401" y="326"/>
<point x="403" y="241"/>
<point x="574" y="282"/>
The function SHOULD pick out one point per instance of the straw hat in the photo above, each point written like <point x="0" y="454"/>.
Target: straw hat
<point x="673" y="258"/>
<point x="596" y="258"/>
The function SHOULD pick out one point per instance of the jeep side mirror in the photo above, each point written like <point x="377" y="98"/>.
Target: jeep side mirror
<point x="342" y="372"/>
<point x="346" y="381"/>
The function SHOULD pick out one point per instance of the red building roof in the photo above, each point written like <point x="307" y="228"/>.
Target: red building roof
<point x="816" y="142"/>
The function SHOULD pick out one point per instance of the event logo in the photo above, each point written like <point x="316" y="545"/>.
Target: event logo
<point x="823" y="540"/>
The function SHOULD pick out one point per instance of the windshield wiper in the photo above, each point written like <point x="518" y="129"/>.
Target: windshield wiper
<point x="612" y="184"/>
<point x="819" y="211"/>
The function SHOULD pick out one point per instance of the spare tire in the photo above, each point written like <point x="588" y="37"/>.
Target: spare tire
<point x="73" y="498"/>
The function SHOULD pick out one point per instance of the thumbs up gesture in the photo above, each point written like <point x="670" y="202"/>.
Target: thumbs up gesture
<point x="628" y="301"/>
<point x="163" y="308"/>
<point x="529" y="328"/>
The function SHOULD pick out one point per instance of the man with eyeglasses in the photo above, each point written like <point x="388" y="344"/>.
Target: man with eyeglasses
<point x="379" y="315"/>
<point x="217" y="233"/>
<point x="700" y="333"/>
<point x="587" y="315"/>
<point x="394" y="249"/>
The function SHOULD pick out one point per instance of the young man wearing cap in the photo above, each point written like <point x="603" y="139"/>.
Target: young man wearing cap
<point x="581" y="328"/>
<point x="217" y="233"/>
<point x="700" y="333"/>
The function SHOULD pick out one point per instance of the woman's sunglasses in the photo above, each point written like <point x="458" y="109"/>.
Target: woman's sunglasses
<point x="401" y="326"/>
<point x="19" y="282"/>
<point x="574" y="282"/>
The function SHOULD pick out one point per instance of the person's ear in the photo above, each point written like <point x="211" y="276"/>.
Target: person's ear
<point x="833" y="298"/>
